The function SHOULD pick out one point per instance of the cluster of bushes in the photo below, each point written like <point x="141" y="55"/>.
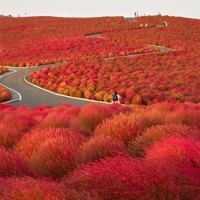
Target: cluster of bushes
<point x="5" y="95"/>
<point x="140" y="80"/>
<point x="143" y="79"/>
<point x="52" y="39"/>
<point x="100" y="152"/>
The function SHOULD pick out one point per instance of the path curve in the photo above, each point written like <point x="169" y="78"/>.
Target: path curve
<point x="32" y="96"/>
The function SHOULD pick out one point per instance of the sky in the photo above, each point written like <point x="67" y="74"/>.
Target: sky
<point x="95" y="8"/>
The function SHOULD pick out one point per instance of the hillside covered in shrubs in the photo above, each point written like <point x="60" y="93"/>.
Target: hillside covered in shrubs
<point x="139" y="63"/>
<point x="93" y="57"/>
<point x="100" y="152"/>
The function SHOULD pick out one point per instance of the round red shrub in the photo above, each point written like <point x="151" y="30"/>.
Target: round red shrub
<point x="116" y="108"/>
<point x="12" y="165"/>
<point x="55" y="120"/>
<point x="179" y="159"/>
<point x="99" y="147"/>
<point x="121" y="178"/>
<point x="188" y="116"/>
<point x="121" y="127"/>
<point x="12" y="127"/>
<point x="157" y="133"/>
<point x="52" y="152"/>
<point x="148" y="118"/>
<point x="184" y="149"/>
<point x="92" y="115"/>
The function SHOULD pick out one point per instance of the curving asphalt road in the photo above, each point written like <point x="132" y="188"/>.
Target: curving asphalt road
<point x="24" y="94"/>
<point x="32" y="96"/>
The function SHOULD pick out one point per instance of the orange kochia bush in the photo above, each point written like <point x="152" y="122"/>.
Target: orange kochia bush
<point x="5" y="95"/>
<point x="3" y="70"/>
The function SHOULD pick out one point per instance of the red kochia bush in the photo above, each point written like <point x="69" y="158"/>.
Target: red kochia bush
<point x="184" y="149"/>
<point x="12" y="165"/>
<point x="128" y="126"/>
<point x="12" y="127"/>
<point x="121" y="127"/>
<point x="92" y="115"/>
<point x="148" y="118"/>
<point x="121" y="178"/>
<point x="30" y="189"/>
<point x="5" y="95"/>
<point x="116" y="108"/>
<point x="52" y="152"/>
<point x="180" y="159"/>
<point x="158" y="133"/>
<point x="188" y="115"/>
<point x="99" y="147"/>
<point x="55" y="120"/>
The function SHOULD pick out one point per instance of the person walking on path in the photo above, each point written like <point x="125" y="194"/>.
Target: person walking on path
<point x="116" y="98"/>
<point x="165" y="23"/>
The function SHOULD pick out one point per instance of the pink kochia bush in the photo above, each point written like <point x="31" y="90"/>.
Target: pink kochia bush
<point x="121" y="178"/>
<point x="12" y="165"/>
<point x="52" y="152"/>
<point x="29" y="188"/>
<point x="180" y="159"/>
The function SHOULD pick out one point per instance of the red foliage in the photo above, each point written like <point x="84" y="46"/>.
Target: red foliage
<point x="3" y="70"/>
<point x="97" y="168"/>
<point x="12" y="165"/>
<point x="184" y="149"/>
<point x="144" y="79"/>
<point x="55" y="120"/>
<point x="5" y="95"/>
<point x="29" y="188"/>
<point x="142" y="143"/>
<point x="121" y="127"/>
<point x="126" y="127"/>
<point x="59" y="39"/>
<point x="180" y="157"/>
<point x="13" y="126"/>
<point x="99" y="147"/>
<point x="52" y="152"/>
<point x="92" y="115"/>
<point x="190" y="117"/>
<point x="121" y="178"/>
